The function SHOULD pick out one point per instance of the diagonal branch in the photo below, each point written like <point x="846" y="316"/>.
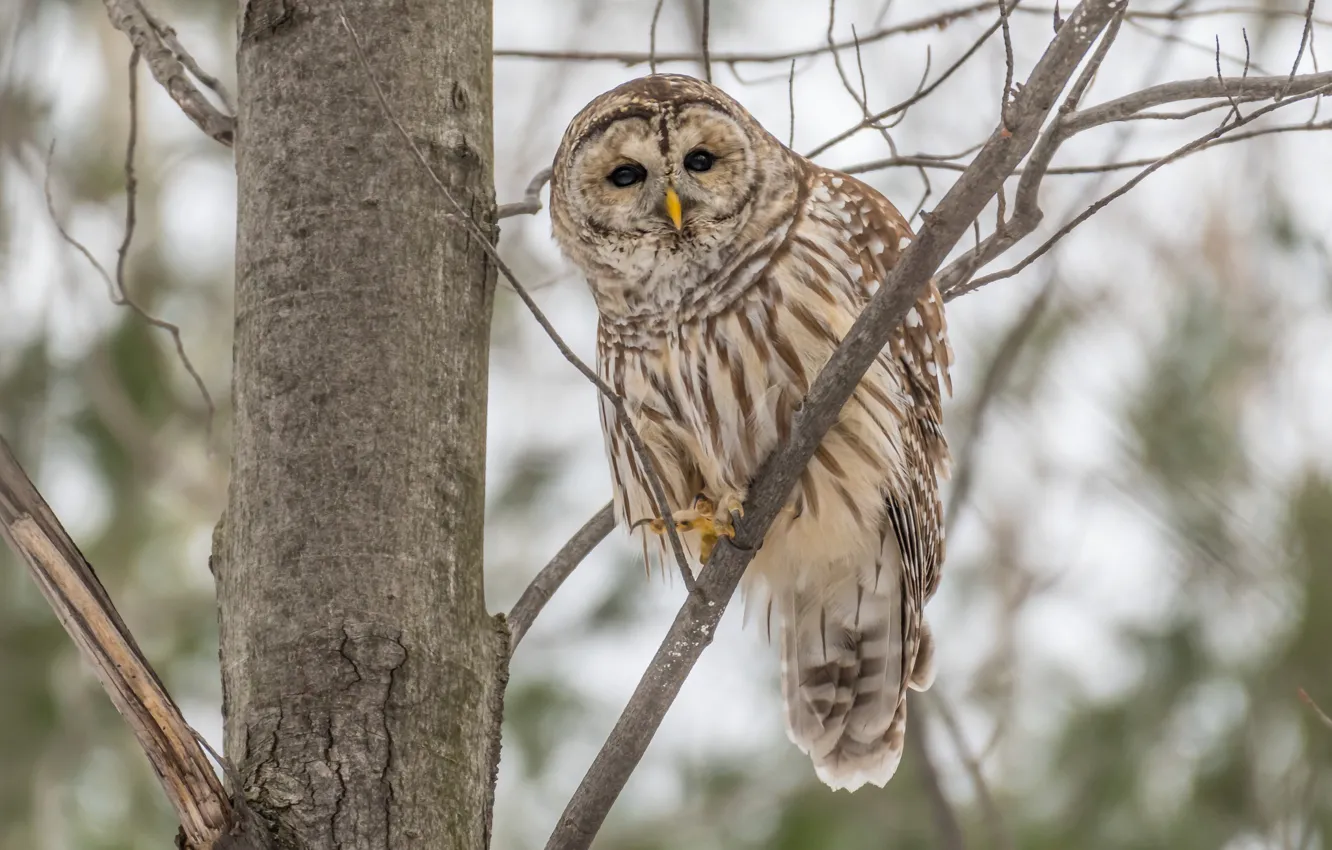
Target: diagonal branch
<point x="543" y="587"/>
<point x="171" y="65"/>
<point x="207" y="817"/>
<point x="697" y="620"/>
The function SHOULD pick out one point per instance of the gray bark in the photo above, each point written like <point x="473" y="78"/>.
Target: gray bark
<point x="361" y="673"/>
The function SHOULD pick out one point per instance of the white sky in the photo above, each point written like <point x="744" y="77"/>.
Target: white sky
<point x="1111" y="561"/>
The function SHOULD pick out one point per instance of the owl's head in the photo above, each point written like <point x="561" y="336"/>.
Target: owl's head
<point x="662" y="165"/>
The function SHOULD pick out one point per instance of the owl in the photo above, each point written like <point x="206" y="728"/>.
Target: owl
<point x="726" y="268"/>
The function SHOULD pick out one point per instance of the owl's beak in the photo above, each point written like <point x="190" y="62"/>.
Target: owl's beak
<point x="673" y="208"/>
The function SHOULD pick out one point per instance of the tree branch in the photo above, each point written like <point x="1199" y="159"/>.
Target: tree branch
<point x="1027" y="215"/>
<point x="531" y="202"/>
<point x="1179" y="153"/>
<point x="543" y="587"/>
<point x="946" y="821"/>
<point x="207" y="817"/>
<point x="117" y="288"/>
<point x="697" y="620"/>
<point x="1313" y="706"/>
<point x="631" y="58"/>
<point x="168" y="61"/>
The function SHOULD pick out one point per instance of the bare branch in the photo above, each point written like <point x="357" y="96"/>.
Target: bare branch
<point x="164" y="57"/>
<point x="697" y="620"/>
<point x="487" y="246"/>
<point x="945" y="164"/>
<point x="1318" y="712"/>
<point x="1175" y="38"/>
<point x="1001" y="366"/>
<point x="630" y="58"/>
<point x="936" y="21"/>
<point x="1243" y="90"/>
<point x="652" y="38"/>
<point x="705" y="58"/>
<point x="1026" y="208"/>
<point x="1027" y="214"/>
<point x="946" y="821"/>
<point x="1306" y="39"/>
<point x="208" y="818"/>
<point x="543" y="587"/>
<point x="993" y="817"/>
<point x="1005" y="10"/>
<point x="1179" y="153"/>
<point x="861" y="98"/>
<point x="920" y="94"/>
<point x="531" y="202"/>
<point x="117" y="289"/>
<point x="790" y="97"/>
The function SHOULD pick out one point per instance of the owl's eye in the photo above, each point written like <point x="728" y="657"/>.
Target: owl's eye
<point x="699" y="160"/>
<point x="627" y="175"/>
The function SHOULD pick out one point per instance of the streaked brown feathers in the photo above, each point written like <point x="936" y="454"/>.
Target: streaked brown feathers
<point x="712" y="335"/>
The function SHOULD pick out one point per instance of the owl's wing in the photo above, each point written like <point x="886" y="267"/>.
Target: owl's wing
<point x="919" y="353"/>
<point x="853" y="645"/>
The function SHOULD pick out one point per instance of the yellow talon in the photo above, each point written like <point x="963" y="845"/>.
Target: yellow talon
<point x="704" y="517"/>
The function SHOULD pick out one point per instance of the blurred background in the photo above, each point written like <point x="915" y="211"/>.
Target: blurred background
<point x="1138" y="581"/>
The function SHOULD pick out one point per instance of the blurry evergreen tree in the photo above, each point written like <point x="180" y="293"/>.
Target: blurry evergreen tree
<point x="1207" y="745"/>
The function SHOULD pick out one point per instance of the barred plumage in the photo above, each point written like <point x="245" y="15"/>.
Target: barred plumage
<point x="717" y="310"/>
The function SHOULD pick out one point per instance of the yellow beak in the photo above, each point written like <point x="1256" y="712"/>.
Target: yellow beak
<point x="673" y="208"/>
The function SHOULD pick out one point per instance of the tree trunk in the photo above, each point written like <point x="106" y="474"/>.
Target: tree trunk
<point x="361" y="673"/>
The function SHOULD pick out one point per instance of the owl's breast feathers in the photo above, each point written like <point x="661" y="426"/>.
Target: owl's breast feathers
<point x="713" y="391"/>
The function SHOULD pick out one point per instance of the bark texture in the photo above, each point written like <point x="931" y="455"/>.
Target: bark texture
<point x="360" y="669"/>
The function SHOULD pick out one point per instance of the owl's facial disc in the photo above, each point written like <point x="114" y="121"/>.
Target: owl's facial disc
<point x="676" y="174"/>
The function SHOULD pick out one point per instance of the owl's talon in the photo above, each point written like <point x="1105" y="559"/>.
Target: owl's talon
<point x="706" y="518"/>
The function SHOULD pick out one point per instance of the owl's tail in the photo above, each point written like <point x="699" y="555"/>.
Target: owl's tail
<point x="847" y="658"/>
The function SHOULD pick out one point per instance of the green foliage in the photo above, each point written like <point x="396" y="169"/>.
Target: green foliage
<point x="1203" y="743"/>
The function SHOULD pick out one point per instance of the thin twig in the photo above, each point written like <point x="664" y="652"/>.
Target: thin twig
<point x="920" y="94"/>
<point x="630" y="58"/>
<point x="531" y="202"/>
<point x="996" y="375"/>
<point x="116" y="287"/>
<point x="652" y="38"/>
<point x="861" y="97"/>
<point x="1234" y="105"/>
<point x="790" y="104"/>
<point x="474" y="230"/>
<point x="703" y="40"/>
<point x="931" y="22"/>
<point x="1176" y="38"/>
<point x="946" y="820"/>
<point x="1306" y="38"/>
<point x="1105" y="200"/>
<point x="163" y="60"/>
<point x="543" y="587"/>
<point x="1318" y="712"/>
<point x="994" y="818"/>
<point x="1026" y="207"/>
<point x="1006" y="97"/>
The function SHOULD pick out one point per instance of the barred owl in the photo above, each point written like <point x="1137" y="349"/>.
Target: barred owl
<point x="725" y="270"/>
